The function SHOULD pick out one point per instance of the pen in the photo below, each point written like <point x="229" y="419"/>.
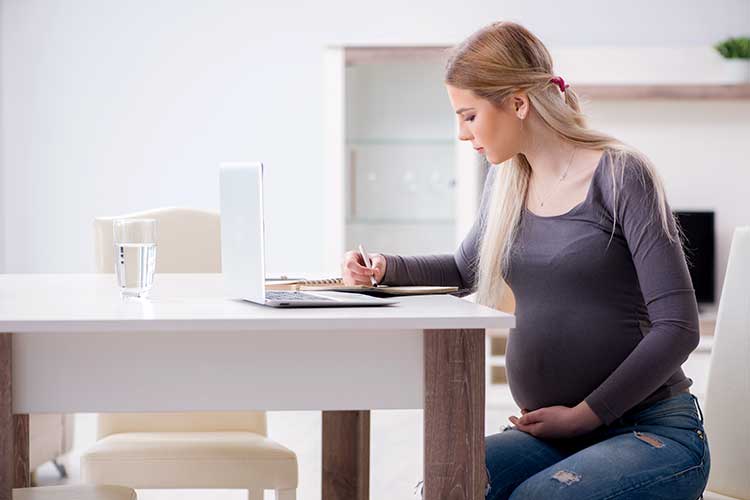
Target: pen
<point x="368" y="264"/>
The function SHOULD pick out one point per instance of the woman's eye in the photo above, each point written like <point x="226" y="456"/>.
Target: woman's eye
<point x="470" y="118"/>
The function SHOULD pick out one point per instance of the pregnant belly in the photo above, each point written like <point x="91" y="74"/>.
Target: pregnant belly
<point x="561" y="366"/>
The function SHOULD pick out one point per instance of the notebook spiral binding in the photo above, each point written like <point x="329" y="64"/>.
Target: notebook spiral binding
<point x="329" y="281"/>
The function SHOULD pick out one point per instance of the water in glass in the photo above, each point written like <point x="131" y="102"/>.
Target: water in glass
<point x="134" y="265"/>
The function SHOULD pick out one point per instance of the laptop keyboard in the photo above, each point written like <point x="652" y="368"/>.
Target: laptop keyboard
<point x="293" y="296"/>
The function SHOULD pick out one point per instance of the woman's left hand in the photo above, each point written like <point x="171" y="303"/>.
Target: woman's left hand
<point x="558" y="421"/>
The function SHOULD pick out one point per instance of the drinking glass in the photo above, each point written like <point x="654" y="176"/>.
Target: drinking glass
<point x="135" y="256"/>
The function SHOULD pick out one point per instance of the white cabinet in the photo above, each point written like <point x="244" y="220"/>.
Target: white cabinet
<point x="401" y="181"/>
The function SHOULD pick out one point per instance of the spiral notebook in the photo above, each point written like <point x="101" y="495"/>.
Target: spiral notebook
<point x="337" y="285"/>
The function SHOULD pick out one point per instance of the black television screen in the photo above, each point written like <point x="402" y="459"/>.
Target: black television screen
<point x="698" y="228"/>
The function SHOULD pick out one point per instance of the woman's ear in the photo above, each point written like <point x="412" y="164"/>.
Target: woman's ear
<point x="520" y="105"/>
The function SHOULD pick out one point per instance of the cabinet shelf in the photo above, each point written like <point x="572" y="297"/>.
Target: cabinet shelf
<point x="496" y="360"/>
<point x="664" y="91"/>
<point x="438" y="53"/>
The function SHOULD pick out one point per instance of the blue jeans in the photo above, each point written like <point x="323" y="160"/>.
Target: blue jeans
<point x="660" y="452"/>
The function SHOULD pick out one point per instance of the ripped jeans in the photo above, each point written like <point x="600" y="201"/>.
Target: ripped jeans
<point x="660" y="452"/>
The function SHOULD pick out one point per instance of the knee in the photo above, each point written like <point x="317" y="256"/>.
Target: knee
<point x="559" y="484"/>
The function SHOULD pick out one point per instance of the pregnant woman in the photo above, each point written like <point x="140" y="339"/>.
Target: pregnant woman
<point x="576" y="224"/>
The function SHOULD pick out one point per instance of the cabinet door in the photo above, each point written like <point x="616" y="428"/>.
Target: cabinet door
<point x="400" y="145"/>
<point x="400" y="181"/>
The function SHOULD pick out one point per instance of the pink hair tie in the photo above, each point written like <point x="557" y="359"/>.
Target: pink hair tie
<point x="558" y="80"/>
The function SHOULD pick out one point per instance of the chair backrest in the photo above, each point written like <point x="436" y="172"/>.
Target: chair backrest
<point x="727" y="401"/>
<point x="188" y="241"/>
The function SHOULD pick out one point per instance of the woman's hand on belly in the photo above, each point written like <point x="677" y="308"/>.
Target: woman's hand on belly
<point x="558" y="421"/>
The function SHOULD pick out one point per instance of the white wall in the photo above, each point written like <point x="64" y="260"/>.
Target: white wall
<point x="702" y="151"/>
<point x="3" y="237"/>
<point x="108" y="107"/>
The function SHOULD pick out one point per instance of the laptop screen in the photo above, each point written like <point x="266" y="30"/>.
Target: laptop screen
<point x="242" y="242"/>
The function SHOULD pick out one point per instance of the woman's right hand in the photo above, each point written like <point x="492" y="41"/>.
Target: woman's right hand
<point x="354" y="271"/>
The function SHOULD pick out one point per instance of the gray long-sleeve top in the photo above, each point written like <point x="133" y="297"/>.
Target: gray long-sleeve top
<point x="611" y="326"/>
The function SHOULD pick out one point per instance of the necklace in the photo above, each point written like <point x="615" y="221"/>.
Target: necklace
<point x="564" y="175"/>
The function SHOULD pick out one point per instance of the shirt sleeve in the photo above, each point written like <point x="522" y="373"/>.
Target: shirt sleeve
<point x="457" y="269"/>
<point x="667" y="293"/>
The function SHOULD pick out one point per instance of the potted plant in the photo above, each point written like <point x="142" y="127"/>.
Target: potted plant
<point x="736" y="52"/>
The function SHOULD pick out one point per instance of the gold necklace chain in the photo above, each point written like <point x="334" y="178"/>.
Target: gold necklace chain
<point x="564" y="175"/>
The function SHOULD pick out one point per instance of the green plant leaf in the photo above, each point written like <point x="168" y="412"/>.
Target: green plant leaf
<point x="734" y="48"/>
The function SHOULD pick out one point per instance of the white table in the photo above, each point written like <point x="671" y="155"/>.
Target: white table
<point x="70" y="344"/>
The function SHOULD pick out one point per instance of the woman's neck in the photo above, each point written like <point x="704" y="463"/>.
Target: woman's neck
<point x="549" y="156"/>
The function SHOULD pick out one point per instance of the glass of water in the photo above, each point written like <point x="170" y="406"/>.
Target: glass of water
<point x="135" y="255"/>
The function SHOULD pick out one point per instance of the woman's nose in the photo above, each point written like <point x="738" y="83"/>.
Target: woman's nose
<point x="464" y="135"/>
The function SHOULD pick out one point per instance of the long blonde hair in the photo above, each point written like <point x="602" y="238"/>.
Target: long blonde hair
<point x="493" y="63"/>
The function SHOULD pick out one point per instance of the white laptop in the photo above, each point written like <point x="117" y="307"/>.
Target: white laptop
<point x="242" y="246"/>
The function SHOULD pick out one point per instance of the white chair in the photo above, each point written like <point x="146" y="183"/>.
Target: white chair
<point x="727" y="403"/>
<point x="75" y="492"/>
<point x="185" y="450"/>
<point x="189" y="241"/>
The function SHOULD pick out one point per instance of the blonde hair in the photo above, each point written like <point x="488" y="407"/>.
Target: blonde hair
<point x="495" y="62"/>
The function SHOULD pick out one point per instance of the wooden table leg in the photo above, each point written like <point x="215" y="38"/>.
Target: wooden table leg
<point x="454" y="399"/>
<point x="346" y="455"/>
<point x="14" y="430"/>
